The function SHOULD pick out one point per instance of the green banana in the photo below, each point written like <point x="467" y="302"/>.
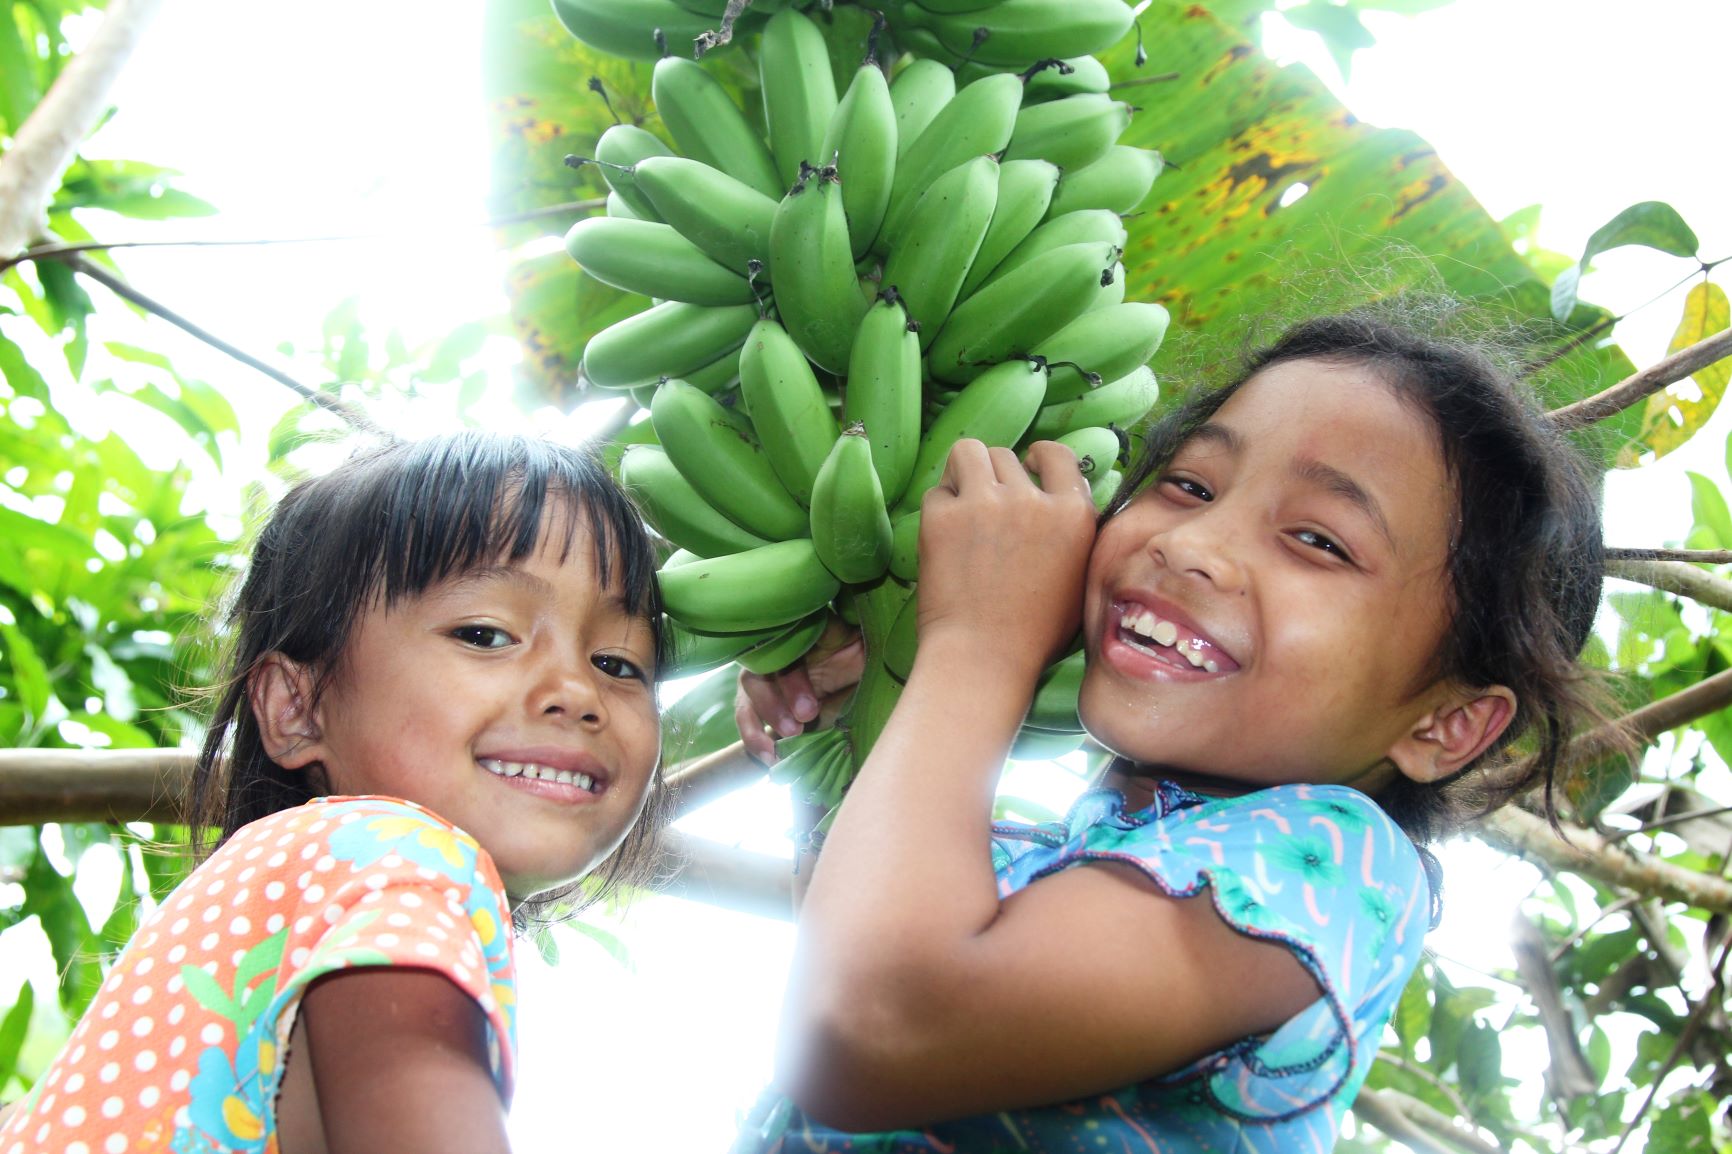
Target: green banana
<point x="823" y="782"/>
<point x="945" y="7"/>
<point x="717" y="452"/>
<point x="691" y="653"/>
<point x="784" y="648"/>
<point x="668" y="340"/>
<point x="788" y="408"/>
<point x="862" y="140"/>
<point x="1118" y="182"/>
<point x="725" y="218"/>
<point x="796" y="755"/>
<point x="1024" y="190"/>
<point x="618" y="209"/>
<point x="812" y="266"/>
<point x="850" y="528"/>
<point x="1108" y="342"/>
<point x="937" y="245"/>
<point x="905" y="547"/>
<point x="799" y="91"/>
<point x="628" y="27"/>
<point x="1055" y="696"/>
<point x="904" y="639"/>
<point x="919" y="92"/>
<point x="1096" y="225"/>
<point x="678" y="512"/>
<point x="1070" y="77"/>
<point x="1104" y="487"/>
<point x="718" y="376"/>
<point x="977" y="121"/>
<point x="883" y="391"/>
<point x="1072" y="132"/>
<point x="1020" y="32"/>
<point x="996" y="407"/>
<point x="1113" y="291"/>
<point x="653" y="259"/>
<point x="620" y="147"/>
<point x="1096" y="448"/>
<point x="708" y="126"/>
<point x="1120" y="403"/>
<point x="1017" y="311"/>
<point x="759" y="589"/>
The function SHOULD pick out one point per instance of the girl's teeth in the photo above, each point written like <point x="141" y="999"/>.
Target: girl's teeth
<point x="1211" y="667"/>
<point x="1164" y="633"/>
<point x="538" y="772"/>
<point x="1193" y="655"/>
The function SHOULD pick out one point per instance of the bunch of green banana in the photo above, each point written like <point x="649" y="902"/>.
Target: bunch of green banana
<point x="884" y="264"/>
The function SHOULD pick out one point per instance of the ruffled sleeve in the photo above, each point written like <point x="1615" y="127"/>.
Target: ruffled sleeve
<point x="391" y="884"/>
<point x="1320" y="869"/>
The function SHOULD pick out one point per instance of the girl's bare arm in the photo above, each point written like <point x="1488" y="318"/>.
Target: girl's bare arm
<point x="399" y="1061"/>
<point x="916" y="994"/>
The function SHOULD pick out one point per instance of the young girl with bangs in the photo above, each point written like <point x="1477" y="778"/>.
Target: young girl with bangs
<point x="1327" y="595"/>
<point x="439" y="712"/>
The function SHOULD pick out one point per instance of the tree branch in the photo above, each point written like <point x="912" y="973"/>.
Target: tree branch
<point x="60" y="251"/>
<point x="1593" y="855"/>
<point x="1692" y="556"/>
<point x="1640" y="385"/>
<point x="46" y="142"/>
<point x="694" y="784"/>
<point x="1676" y="577"/>
<point x="353" y="417"/>
<point x="727" y="876"/>
<point x="1698" y="1014"/>
<point x="1408" y="1120"/>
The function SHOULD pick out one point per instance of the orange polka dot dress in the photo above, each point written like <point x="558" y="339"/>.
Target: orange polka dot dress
<point x="181" y="1051"/>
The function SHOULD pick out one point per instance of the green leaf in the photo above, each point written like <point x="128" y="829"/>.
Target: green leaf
<point x="118" y="699"/>
<point x="207" y="992"/>
<point x="69" y="304"/>
<point x="1412" y="1018"/>
<point x="1683" y="1125"/>
<point x="1669" y="420"/>
<point x="614" y="945"/>
<point x="1708" y="505"/>
<point x="29" y="674"/>
<point x="702" y="721"/>
<point x="1652" y="224"/>
<point x="459" y="345"/>
<point x="162" y="204"/>
<point x="17" y="372"/>
<point x="1479" y="1060"/>
<point x="15" y="1025"/>
<point x="18" y="91"/>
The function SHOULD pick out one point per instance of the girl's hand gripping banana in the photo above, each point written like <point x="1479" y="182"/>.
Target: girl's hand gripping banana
<point x="799" y="91"/>
<point x="788" y="408"/>
<point x="883" y="391"/>
<point x="759" y="589"/>
<point x="812" y="267"/>
<point x="996" y="408"/>
<point x="708" y="126"/>
<point x="717" y="451"/>
<point x="850" y="528"/>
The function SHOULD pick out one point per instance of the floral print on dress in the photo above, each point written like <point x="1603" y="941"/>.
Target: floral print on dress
<point x="181" y="1050"/>
<point x="1320" y="870"/>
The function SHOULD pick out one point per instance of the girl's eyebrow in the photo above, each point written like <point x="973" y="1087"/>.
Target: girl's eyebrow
<point x="1333" y="480"/>
<point x="498" y="574"/>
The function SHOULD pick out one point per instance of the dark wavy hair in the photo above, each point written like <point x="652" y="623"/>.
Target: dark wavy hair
<point x="1526" y="557"/>
<point x="386" y="525"/>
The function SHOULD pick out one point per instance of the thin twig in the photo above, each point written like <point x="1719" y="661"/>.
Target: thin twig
<point x="1158" y="78"/>
<point x="1591" y="854"/>
<point x="1679" y="819"/>
<point x="1428" y="1077"/>
<point x="353" y="417"/>
<point x="60" y="251"/>
<point x="1640" y="385"/>
<point x="1574" y="939"/>
<point x="1710" y="997"/>
<point x="1691" y="556"/>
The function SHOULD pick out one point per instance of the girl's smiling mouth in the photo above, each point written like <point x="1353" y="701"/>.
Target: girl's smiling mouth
<point x="553" y="774"/>
<point x="1155" y="640"/>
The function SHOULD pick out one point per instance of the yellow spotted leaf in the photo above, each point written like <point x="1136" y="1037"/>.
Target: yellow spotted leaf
<point x="1673" y="415"/>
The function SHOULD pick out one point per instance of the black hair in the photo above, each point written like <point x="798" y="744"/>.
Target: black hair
<point x="1526" y="558"/>
<point x="387" y="524"/>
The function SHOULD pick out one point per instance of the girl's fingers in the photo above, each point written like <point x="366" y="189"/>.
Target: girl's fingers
<point x="1006" y="469"/>
<point x="795" y="686"/>
<point x="759" y="744"/>
<point x="841" y="669"/>
<point x="968" y="464"/>
<point x="1056" y="466"/>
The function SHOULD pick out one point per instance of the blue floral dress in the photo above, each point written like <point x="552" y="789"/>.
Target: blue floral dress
<point x="182" y="1050"/>
<point x="1320" y="869"/>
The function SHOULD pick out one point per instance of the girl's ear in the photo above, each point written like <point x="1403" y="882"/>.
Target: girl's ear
<point x="1447" y="738"/>
<point x="281" y="694"/>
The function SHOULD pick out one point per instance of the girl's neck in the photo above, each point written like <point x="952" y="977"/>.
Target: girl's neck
<point x="1137" y="782"/>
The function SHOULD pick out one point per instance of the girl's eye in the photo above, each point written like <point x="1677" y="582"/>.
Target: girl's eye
<point x="618" y="667"/>
<point x="482" y="636"/>
<point x="1190" y="487"/>
<point x="1316" y="540"/>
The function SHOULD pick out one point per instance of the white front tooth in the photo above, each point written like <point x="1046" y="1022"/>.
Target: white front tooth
<point x="583" y="781"/>
<point x="1164" y="633"/>
<point x="538" y="772"/>
<point x="1145" y="626"/>
<point x="564" y="777"/>
<point x="1193" y="655"/>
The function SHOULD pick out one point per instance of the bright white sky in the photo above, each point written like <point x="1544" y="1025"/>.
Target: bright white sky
<point x="341" y="117"/>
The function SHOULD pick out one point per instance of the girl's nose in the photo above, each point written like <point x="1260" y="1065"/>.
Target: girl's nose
<point x="1206" y="545"/>
<point x="568" y="688"/>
